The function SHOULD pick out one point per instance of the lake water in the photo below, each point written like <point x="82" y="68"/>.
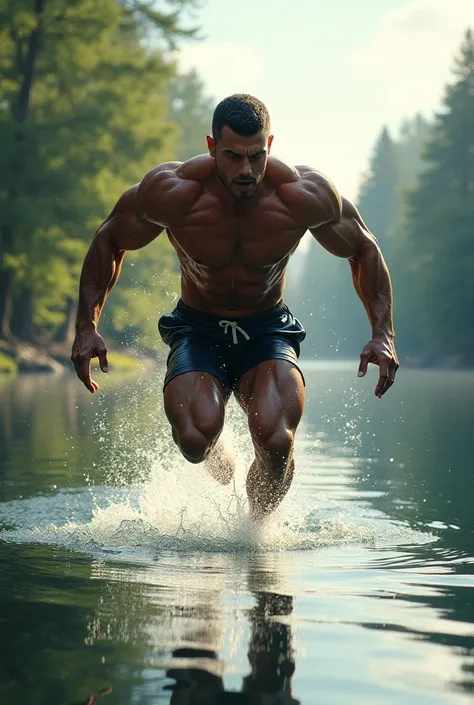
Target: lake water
<point x="129" y="574"/>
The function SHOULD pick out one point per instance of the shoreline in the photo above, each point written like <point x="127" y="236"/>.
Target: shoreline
<point x="19" y="357"/>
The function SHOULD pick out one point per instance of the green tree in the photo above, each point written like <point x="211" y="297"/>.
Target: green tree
<point x="83" y="114"/>
<point x="148" y="288"/>
<point x="409" y="148"/>
<point x="335" y="318"/>
<point x="191" y="110"/>
<point x="378" y="197"/>
<point x="409" y="154"/>
<point x="440" y="238"/>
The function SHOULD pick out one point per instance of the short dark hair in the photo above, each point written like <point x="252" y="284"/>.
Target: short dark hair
<point x="243" y="113"/>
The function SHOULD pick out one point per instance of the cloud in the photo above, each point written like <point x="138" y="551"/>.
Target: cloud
<point x="411" y="52"/>
<point x="226" y="67"/>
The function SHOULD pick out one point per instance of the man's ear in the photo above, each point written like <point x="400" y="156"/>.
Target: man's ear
<point x="211" y="145"/>
<point x="270" y="142"/>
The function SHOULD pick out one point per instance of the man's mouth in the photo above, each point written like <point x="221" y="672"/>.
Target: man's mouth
<point x="244" y="184"/>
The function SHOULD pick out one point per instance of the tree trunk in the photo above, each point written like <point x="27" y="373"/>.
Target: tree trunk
<point x="67" y="329"/>
<point x="6" y="283"/>
<point x="6" y="302"/>
<point x="28" y="67"/>
<point x="22" y="319"/>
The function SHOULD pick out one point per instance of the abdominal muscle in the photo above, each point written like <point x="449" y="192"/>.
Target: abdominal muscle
<point x="234" y="291"/>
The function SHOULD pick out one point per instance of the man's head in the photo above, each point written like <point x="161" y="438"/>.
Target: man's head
<point x="240" y="143"/>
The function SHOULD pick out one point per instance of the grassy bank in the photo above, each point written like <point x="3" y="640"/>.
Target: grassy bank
<point x="59" y="361"/>
<point x="121" y="362"/>
<point x="7" y="365"/>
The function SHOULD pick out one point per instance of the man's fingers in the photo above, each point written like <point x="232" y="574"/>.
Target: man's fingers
<point x="86" y="376"/>
<point x="364" y="362"/>
<point x="393" y="371"/>
<point x="387" y="383"/>
<point x="388" y="371"/>
<point x="102" y="355"/>
<point x="383" y="379"/>
<point x="381" y="387"/>
<point x="87" y="345"/>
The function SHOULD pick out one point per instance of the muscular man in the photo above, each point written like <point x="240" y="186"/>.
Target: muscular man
<point x="235" y="217"/>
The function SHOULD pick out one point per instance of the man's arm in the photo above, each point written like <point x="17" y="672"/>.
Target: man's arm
<point x="128" y="227"/>
<point x="349" y="237"/>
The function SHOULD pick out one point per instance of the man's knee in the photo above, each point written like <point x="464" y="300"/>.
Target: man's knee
<point x="274" y="445"/>
<point x="193" y="444"/>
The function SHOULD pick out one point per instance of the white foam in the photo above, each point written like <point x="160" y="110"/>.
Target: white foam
<point x="179" y="507"/>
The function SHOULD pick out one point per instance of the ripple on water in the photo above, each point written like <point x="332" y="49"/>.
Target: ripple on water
<point x="182" y="509"/>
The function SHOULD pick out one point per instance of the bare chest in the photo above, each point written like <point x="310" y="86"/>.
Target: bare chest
<point x="214" y="237"/>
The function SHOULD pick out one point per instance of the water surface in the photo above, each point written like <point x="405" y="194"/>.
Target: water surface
<point x="128" y="572"/>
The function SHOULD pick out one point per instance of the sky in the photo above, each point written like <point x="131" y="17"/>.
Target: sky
<point x="331" y="73"/>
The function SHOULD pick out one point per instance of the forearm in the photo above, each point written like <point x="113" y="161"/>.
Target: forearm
<point x="372" y="283"/>
<point x="100" y="271"/>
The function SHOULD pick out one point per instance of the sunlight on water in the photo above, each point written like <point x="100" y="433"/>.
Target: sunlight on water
<point x="179" y="507"/>
<point x="153" y="500"/>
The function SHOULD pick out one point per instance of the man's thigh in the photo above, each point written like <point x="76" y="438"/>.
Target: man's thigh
<point x="195" y="399"/>
<point x="272" y="394"/>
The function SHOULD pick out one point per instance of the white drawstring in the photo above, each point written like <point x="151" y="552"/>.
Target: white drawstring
<point x="234" y="327"/>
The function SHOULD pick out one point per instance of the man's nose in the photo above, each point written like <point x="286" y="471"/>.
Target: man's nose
<point x="246" y="168"/>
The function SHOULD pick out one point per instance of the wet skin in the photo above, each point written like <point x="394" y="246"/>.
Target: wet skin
<point x="234" y="218"/>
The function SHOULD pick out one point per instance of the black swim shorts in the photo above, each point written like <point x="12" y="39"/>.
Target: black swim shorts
<point x="226" y="348"/>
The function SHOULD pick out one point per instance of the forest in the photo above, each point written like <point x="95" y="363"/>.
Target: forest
<point x="417" y="198"/>
<point x="91" y="98"/>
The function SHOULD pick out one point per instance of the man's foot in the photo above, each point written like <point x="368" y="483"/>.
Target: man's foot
<point x="266" y="489"/>
<point x="220" y="464"/>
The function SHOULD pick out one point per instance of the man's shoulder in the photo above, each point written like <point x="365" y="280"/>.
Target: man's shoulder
<point x="172" y="187"/>
<point x="308" y="193"/>
<point x="198" y="169"/>
<point x="284" y="174"/>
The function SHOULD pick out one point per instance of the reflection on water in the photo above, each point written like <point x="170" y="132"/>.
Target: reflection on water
<point x="184" y="640"/>
<point x="198" y="673"/>
<point x="126" y="569"/>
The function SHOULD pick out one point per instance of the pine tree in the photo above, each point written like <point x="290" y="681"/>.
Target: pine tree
<point x="326" y="299"/>
<point x="191" y="110"/>
<point x="409" y="149"/>
<point x="83" y="114"/>
<point x="441" y="220"/>
<point x="378" y="201"/>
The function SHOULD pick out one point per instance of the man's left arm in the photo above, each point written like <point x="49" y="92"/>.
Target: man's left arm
<point x="350" y="238"/>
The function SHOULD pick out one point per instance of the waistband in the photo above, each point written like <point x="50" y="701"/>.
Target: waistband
<point x="193" y="314"/>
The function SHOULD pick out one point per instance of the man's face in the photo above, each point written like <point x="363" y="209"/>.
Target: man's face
<point x="240" y="161"/>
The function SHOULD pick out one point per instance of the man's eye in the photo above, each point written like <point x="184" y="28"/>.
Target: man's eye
<point x="234" y="156"/>
<point x="256" y="157"/>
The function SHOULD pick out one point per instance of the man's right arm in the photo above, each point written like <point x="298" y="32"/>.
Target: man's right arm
<point x="128" y="227"/>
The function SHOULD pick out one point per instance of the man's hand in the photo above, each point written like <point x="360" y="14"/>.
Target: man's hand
<point x="381" y="352"/>
<point x="89" y="344"/>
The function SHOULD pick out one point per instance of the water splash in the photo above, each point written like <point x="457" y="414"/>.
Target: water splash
<point x="173" y="505"/>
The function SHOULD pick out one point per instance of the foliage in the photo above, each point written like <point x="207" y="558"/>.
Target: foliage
<point x="440" y="217"/>
<point x="378" y="193"/>
<point x="84" y="113"/>
<point x="192" y="112"/>
<point x="418" y="199"/>
<point x="7" y="365"/>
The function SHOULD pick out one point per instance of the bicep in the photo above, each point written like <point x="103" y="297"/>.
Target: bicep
<point x="124" y="228"/>
<point x="346" y="238"/>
